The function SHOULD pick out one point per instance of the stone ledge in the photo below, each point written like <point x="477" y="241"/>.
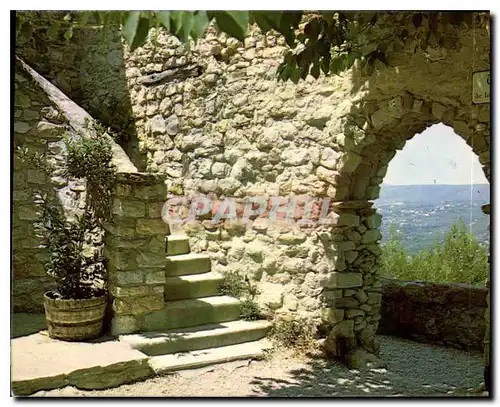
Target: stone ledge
<point x="445" y="314"/>
<point x="42" y="363"/>
<point x="140" y="178"/>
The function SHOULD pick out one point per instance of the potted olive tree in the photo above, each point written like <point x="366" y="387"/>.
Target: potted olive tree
<point x="75" y="310"/>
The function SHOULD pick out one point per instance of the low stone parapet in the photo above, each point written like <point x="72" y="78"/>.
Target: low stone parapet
<point x="444" y="314"/>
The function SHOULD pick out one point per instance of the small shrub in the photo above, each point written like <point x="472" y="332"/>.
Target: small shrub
<point x="236" y="286"/>
<point x="460" y="258"/>
<point x="249" y="310"/>
<point x="233" y="285"/>
<point x="78" y="274"/>
<point x="295" y="333"/>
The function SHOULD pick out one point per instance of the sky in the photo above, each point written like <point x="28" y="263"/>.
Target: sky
<point x="439" y="154"/>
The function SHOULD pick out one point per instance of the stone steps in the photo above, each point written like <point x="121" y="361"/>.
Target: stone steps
<point x="197" y="338"/>
<point x="177" y="244"/>
<point x="192" y="286"/>
<point x="193" y="312"/>
<point x="199" y="358"/>
<point x="186" y="264"/>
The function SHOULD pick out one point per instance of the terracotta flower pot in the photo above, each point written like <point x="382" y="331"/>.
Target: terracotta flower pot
<point x="74" y="320"/>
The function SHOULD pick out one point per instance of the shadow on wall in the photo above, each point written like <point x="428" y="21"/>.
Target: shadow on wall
<point x="90" y="70"/>
<point x="413" y="369"/>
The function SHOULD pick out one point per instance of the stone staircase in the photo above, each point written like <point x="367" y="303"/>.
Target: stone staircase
<point x="197" y="326"/>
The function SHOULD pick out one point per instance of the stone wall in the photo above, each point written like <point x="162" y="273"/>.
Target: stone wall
<point x="43" y="117"/>
<point x="135" y="248"/>
<point x="444" y="314"/>
<point x="39" y="127"/>
<point x="234" y="131"/>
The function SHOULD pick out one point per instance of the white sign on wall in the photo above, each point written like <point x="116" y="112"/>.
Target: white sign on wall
<point x="481" y="87"/>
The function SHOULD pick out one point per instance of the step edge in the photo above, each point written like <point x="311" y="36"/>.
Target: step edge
<point x="194" y="335"/>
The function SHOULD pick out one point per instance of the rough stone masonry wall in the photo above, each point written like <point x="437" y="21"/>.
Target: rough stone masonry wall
<point x="38" y="126"/>
<point x="445" y="314"/>
<point x="135" y="248"/>
<point x="236" y="131"/>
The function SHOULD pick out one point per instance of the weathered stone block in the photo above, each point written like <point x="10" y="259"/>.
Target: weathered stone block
<point x="146" y="259"/>
<point x="348" y="219"/>
<point x="371" y="236"/>
<point x="139" y="305"/>
<point x="345" y="280"/>
<point x="124" y="324"/>
<point x="50" y="131"/>
<point x="361" y="296"/>
<point x="325" y="174"/>
<point x="151" y="192"/>
<point x="349" y="161"/>
<point x="130" y="291"/>
<point x="128" y="208"/>
<point x="154" y="209"/>
<point x="374" y="221"/>
<point x="291" y="239"/>
<point x="154" y="276"/>
<point x="372" y="192"/>
<point x="350" y="255"/>
<point x="332" y="315"/>
<point x="124" y="190"/>
<point x="122" y="228"/>
<point x="353" y="313"/>
<point x="121" y="259"/>
<point x="22" y="127"/>
<point x="332" y="296"/>
<point x="147" y="227"/>
<point x="344" y="246"/>
<point x="374" y="298"/>
<point x="127" y="277"/>
<point x="271" y="295"/>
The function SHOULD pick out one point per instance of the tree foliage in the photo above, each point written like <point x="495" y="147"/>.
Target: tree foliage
<point x="459" y="258"/>
<point x="322" y="41"/>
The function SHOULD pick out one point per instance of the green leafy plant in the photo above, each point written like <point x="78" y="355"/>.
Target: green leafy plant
<point x="293" y="333"/>
<point x="249" y="310"/>
<point x="459" y="258"/>
<point x="319" y="41"/>
<point x="240" y="287"/>
<point x="78" y="272"/>
<point x="233" y="285"/>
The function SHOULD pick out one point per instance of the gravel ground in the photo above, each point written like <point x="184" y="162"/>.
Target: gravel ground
<point x="413" y="369"/>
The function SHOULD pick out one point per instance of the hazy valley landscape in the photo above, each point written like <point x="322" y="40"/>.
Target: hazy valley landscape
<point x="423" y="213"/>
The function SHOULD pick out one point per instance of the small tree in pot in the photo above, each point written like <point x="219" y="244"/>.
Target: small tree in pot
<point x="75" y="310"/>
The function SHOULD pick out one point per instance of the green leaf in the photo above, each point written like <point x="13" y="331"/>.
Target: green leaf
<point x="200" y="24"/>
<point x="68" y="34"/>
<point x="315" y="70"/>
<point x="337" y="65"/>
<point x="325" y="65"/>
<point x="130" y="27"/>
<point x="141" y="33"/>
<point x="234" y="23"/>
<point x="312" y="29"/>
<point x="83" y="17"/>
<point x="164" y="19"/>
<point x="54" y="29"/>
<point x="26" y="30"/>
<point x="295" y="75"/>
<point x="267" y="20"/>
<point x="184" y="23"/>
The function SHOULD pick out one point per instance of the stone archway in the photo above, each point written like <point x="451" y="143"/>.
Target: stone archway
<point x="390" y="123"/>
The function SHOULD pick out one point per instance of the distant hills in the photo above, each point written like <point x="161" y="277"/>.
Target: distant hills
<point x="435" y="193"/>
<point x="424" y="213"/>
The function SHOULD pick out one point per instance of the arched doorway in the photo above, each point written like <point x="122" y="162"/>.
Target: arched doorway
<point x="387" y="126"/>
